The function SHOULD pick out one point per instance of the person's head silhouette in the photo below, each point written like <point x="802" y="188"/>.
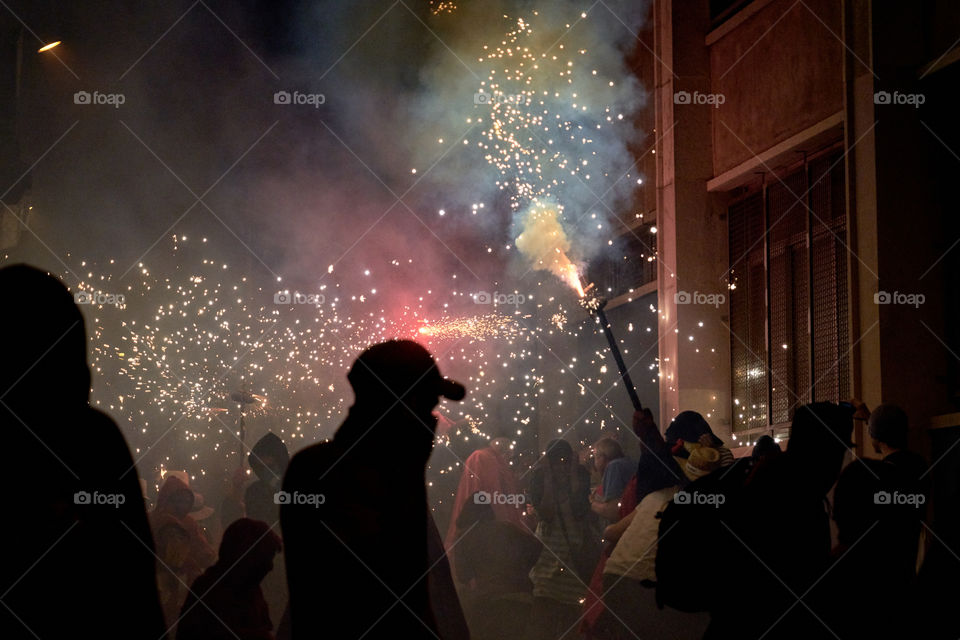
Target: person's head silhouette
<point x="400" y="372"/>
<point x="247" y="551"/>
<point x="44" y="350"/>
<point x="395" y="383"/>
<point x="819" y="439"/>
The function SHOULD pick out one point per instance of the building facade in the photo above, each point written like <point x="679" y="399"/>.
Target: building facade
<point x="804" y="158"/>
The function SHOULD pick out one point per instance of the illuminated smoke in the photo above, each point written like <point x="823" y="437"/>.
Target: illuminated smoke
<point x="544" y="243"/>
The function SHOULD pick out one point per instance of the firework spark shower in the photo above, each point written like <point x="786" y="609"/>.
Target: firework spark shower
<point x="261" y="236"/>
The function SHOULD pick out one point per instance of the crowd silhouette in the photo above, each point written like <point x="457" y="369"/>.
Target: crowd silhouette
<point x="688" y="541"/>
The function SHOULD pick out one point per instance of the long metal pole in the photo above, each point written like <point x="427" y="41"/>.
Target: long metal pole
<point x="624" y="374"/>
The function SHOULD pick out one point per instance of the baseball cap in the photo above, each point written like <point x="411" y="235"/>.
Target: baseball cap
<point x="398" y="367"/>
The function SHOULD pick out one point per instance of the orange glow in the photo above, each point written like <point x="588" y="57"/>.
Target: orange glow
<point x="574" y="279"/>
<point x="47" y="47"/>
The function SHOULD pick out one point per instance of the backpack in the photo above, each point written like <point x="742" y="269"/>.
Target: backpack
<point x="691" y="526"/>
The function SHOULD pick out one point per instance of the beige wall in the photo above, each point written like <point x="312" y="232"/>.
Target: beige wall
<point x="695" y="374"/>
<point x="780" y="73"/>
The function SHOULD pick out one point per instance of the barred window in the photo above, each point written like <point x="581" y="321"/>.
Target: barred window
<point x="789" y="312"/>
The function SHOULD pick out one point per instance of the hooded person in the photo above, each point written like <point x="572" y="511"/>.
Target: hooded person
<point x="182" y="549"/>
<point x="226" y="602"/>
<point x="689" y="430"/>
<point x="363" y="554"/>
<point x="268" y="460"/>
<point x="487" y="471"/>
<point x="78" y="536"/>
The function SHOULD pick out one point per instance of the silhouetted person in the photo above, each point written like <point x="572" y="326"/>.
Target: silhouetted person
<point x="226" y="601"/>
<point x="689" y="429"/>
<point x="765" y="450"/>
<point x="765" y="447"/>
<point x="442" y="590"/>
<point x="182" y="549"/>
<point x="268" y="460"/>
<point x="780" y="541"/>
<point x="560" y="493"/>
<point x="78" y="553"/>
<point x="356" y="526"/>
<point x="629" y="575"/>
<point x="888" y="427"/>
<point x="861" y="579"/>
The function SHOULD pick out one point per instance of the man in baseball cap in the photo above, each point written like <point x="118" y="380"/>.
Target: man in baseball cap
<point x="356" y="524"/>
<point x="398" y="369"/>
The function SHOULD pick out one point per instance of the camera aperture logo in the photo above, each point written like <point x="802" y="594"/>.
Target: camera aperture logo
<point x="112" y="99"/>
<point x="712" y="299"/>
<point x="498" y="97"/>
<point x="485" y="497"/>
<point x="912" y="99"/>
<point x="285" y="297"/>
<point x="896" y="498"/>
<point x="497" y="299"/>
<point x="96" y="498"/>
<point x="99" y="298"/>
<point x="912" y="299"/>
<point x="296" y="498"/>
<point x="713" y="99"/>
<point x="696" y="498"/>
<point x="311" y="99"/>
